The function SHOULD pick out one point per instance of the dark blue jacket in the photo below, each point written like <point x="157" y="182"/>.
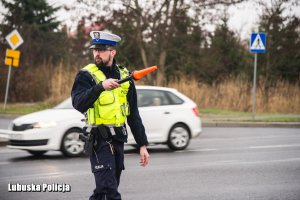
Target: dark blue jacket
<point x="85" y="92"/>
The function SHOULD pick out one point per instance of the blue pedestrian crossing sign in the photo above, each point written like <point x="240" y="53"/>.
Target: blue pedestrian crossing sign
<point x="258" y="43"/>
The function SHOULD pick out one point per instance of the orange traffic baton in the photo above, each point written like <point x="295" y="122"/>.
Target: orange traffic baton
<point x="138" y="74"/>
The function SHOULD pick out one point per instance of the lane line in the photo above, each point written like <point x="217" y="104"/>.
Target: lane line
<point x="5" y="163"/>
<point x="265" y="161"/>
<point x="43" y="176"/>
<point x="197" y="150"/>
<point x="29" y="176"/>
<point x="246" y="138"/>
<point x="243" y="148"/>
<point x="274" y="146"/>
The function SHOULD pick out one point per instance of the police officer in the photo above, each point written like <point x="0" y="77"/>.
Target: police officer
<point x="107" y="105"/>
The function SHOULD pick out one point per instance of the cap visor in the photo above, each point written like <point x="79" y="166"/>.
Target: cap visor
<point x="99" y="46"/>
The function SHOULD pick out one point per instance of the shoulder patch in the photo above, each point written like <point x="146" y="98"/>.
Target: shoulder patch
<point x="120" y="66"/>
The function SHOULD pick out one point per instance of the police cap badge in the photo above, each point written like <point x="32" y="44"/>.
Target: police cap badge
<point x="102" y="40"/>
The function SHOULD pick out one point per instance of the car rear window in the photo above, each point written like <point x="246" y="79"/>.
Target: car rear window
<point x="175" y="99"/>
<point x="156" y="98"/>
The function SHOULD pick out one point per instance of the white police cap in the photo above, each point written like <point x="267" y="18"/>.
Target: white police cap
<point x="101" y="39"/>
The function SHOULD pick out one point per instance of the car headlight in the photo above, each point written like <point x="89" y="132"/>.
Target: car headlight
<point x="44" y="124"/>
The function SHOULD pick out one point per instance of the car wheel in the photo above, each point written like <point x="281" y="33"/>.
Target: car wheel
<point x="179" y="137"/>
<point x="71" y="145"/>
<point x="37" y="153"/>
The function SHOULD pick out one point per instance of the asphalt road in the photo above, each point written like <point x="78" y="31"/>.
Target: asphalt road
<point x="223" y="163"/>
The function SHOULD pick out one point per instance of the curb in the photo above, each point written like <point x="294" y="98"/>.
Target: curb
<point x="253" y="124"/>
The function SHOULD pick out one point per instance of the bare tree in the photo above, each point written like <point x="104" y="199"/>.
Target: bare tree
<point x="154" y="23"/>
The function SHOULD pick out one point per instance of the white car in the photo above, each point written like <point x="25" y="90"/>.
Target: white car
<point x="169" y="118"/>
<point x="52" y="129"/>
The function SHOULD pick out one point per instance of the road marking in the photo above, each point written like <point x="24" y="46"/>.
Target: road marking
<point x="44" y="176"/>
<point x="197" y="150"/>
<point x="240" y="148"/>
<point x="239" y="162"/>
<point x="255" y="137"/>
<point x="4" y="163"/>
<point x="243" y="162"/>
<point x="29" y="176"/>
<point x="267" y="161"/>
<point x="275" y="146"/>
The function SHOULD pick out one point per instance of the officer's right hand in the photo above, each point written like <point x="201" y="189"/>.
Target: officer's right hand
<point x="110" y="84"/>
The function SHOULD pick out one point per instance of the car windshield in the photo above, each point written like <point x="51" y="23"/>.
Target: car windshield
<point x="66" y="104"/>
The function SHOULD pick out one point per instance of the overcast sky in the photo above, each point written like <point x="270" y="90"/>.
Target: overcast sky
<point x="242" y="17"/>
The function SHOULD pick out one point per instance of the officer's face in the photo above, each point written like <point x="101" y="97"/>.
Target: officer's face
<point x="104" y="57"/>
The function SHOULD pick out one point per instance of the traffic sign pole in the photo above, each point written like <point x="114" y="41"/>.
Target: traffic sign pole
<point x="14" y="40"/>
<point x="7" y="87"/>
<point x="258" y="43"/>
<point x="254" y="86"/>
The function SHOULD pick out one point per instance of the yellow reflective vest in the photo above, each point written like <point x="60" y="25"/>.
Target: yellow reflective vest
<point x="111" y="108"/>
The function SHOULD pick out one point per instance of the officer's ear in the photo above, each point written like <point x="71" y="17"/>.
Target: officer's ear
<point x="113" y="52"/>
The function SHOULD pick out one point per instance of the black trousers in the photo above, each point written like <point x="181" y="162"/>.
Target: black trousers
<point x="107" y="169"/>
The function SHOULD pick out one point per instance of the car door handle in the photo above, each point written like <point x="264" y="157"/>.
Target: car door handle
<point x="167" y="112"/>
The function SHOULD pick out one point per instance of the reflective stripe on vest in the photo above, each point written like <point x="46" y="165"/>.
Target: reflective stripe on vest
<point x="111" y="108"/>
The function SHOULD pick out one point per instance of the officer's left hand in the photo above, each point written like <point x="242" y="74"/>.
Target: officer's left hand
<point x="110" y="84"/>
<point x="144" y="156"/>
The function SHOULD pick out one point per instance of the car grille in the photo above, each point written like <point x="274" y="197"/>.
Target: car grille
<point x="21" y="127"/>
<point x="28" y="142"/>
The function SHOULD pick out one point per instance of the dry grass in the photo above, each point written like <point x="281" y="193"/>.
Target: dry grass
<point x="61" y="83"/>
<point x="232" y="94"/>
<point x="235" y="94"/>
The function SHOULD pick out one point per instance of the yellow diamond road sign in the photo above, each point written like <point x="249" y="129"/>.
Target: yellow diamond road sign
<point x="14" y="39"/>
<point x="12" y="58"/>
